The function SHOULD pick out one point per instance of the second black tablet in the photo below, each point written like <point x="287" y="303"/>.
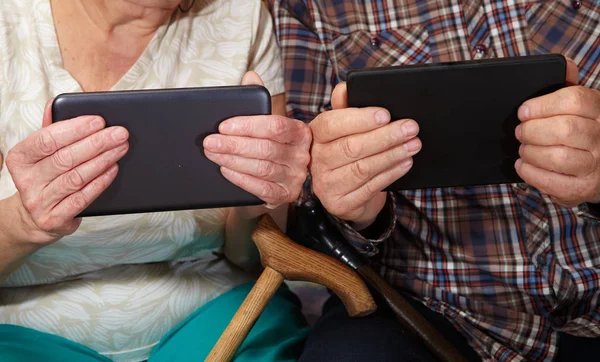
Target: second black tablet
<point x="466" y="111"/>
<point x="165" y="167"/>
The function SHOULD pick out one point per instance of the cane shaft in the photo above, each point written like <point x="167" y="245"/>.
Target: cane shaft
<point x="243" y="320"/>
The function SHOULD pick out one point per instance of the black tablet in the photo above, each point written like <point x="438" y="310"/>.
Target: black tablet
<point x="165" y="168"/>
<point x="466" y="111"/>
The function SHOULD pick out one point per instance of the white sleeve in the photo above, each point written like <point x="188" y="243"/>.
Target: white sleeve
<point x="265" y="58"/>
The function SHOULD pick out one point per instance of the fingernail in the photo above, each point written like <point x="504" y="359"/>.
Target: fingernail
<point x="407" y="163"/>
<point x="212" y="143"/>
<point x="412" y="145"/>
<point x="119" y="134"/>
<point x="523" y="113"/>
<point x="518" y="132"/>
<point x="226" y="127"/>
<point x="96" y="123"/>
<point x="382" y="117"/>
<point x="410" y="128"/>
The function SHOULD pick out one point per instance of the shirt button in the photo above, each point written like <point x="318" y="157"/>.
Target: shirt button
<point x="375" y="42"/>
<point x="541" y="259"/>
<point x="576" y="4"/>
<point x="481" y="48"/>
<point x="368" y="247"/>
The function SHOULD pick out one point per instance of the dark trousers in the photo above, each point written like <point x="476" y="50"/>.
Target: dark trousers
<point x="379" y="337"/>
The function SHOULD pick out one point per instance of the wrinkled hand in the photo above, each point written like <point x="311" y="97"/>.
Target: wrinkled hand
<point x="357" y="153"/>
<point x="560" y="137"/>
<point x="266" y="155"/>
<point x="60" y="169"/>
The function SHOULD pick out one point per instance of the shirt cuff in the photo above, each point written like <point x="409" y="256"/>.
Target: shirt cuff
<point x="385" y="225"/>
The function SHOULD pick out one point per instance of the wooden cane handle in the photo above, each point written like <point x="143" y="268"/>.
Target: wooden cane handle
<point x="296" y="262"/>
<point x="245" y="317"/>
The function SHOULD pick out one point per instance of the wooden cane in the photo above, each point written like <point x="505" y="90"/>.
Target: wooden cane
<point x="285" y="259"/>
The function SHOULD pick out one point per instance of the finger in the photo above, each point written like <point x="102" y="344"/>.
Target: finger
<point x="572" y="72"/>
<point x="570" y="131"/>
<point x="336" y="124"/>
<point x="269" y="192"/>
<point x="568" y="189"/>
<point x="76" y="179"/>
<point x="559" y="159"/>
<point x="252" y="78"/>
<point x="575" y="100"/>
<point x="74" y="204"/>
<point x="339" y="97"/>
<point x="262" y="169"/>
<point x="375" y="185"/>
<point x="47" y="119"/>
<point x="346" y="150"/>
<point x="79" y="152"/>
<point x="48" y="140"/>
<point x="350" y="177"/>
<point x="257" y="148"/>
<point x="278" y="128"/>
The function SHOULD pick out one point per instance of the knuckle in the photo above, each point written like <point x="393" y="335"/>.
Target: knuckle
<point x="12" y="160"/>
<point x="560" y="157"/>
<point x="266" y="190"/>
<point x="265" y="169"/>
<point x="230" y="144"/>
<point x="360" y="169"/>
<point x="46" y="223"/>
<point x="98" y="140"/>
<point x="299" y="178"/>
<point x="278" y="124"/>
<point x="568" y="127"/>
<point x="78" y="200"/>
<point x="30" y="204"/>
<point x="574" y="98"/>
<point x="350" y="149"/>
<point x="73" y="180"/>
<point x="323" y="125"/>
<point x="306" y="135"/>
<point x="245" y="125"/>
<point x="267" y="149"/>
<point x="45" y="142"/>
<point x="63" y="159"/>
<point x="302" y="159"/>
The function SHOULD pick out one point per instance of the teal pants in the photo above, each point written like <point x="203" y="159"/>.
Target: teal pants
<point x="278" y="335"/>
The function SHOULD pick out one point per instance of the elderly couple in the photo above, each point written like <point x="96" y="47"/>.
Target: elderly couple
<point x="506" y="272"/>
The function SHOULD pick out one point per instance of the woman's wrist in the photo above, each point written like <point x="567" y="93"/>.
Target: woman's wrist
<point x="17" y="228"/>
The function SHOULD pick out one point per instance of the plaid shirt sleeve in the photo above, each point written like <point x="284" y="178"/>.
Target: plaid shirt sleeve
<point x="310" y="80"/>
<point x="308" y="71"/>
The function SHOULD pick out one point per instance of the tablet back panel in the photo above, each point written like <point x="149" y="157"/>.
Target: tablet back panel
<point x="466" y="111"/>
<point x="165" y="168"/>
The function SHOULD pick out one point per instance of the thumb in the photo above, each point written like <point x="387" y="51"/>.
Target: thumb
<point x="47" y="120"/>
<point x="251" y="78"/>
<point x="572" y="72"/>
<point x="339" y="97"/>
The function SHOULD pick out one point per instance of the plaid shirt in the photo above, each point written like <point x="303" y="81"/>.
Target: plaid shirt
<point x="504" y="264"/>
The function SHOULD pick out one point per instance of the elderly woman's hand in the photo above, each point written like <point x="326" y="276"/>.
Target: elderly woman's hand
<point x="267" y="156"/>
<point x="59" y="170"/>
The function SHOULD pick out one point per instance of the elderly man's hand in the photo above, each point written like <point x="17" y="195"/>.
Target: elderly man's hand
<point x="267" y="156"/>
<point x="357" y="152"/>
<point x="560" y="136"/>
